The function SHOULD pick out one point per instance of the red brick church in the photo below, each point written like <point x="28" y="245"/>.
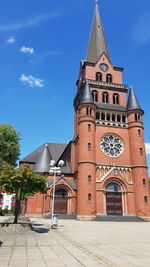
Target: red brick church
<point x="105" y="170"/>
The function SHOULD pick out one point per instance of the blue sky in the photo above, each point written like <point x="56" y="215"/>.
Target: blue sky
<point x="41" y="45"/>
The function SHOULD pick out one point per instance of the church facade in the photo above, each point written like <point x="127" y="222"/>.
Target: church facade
<point x="105" y="170"/>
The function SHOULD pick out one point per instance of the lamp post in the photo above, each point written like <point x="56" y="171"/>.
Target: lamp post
<point x="54" y="170"/>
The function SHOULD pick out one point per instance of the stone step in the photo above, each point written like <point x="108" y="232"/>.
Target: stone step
<point x="115" y="218"/>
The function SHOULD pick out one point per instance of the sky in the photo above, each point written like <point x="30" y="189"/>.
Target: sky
<point x="41" y="45"/>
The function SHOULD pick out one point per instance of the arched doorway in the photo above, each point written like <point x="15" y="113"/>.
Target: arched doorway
<point x="113" y="199"/>
<point x="61" y="201"/>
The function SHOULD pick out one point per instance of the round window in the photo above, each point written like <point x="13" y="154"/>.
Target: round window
<point x="112" y="145"/>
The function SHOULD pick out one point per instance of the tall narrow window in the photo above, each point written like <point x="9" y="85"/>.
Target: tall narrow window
<point x="145" y="199"/>
<point x="109" y="78"/>
<point x="95" y="95"/>
<point x="89" y="146"/>
<point x="89" y="127"/>
<point x="123" y="118"/>
<point x="97" y="115"/>
<point x="144" y="182"/>
<point x="108" y="117"/>
<point x="141" y="151"/>
<point x="103" y="116"/>
<point x="98" y="76"/>
<point x="105" y="97"/>
<point x="89" y="179"/>
<point x="89" y="196"/>
<point x="118" y="118"/>
<point x="137" y="117"/>
<point x="88" y="111"/>
<point x="113" y="117"/>
<point x="116" y="99"/>
<point x="139" y="132"/>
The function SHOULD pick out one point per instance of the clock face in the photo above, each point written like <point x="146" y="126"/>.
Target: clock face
<point x="103" y="67"/>
<point x="112" y="145"/>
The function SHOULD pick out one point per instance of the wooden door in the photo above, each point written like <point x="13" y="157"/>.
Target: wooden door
<point x="60" y="206"/>
<point x="114" y="203"/>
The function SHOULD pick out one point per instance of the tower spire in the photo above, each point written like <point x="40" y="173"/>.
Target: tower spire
<point x="97" y="43"/>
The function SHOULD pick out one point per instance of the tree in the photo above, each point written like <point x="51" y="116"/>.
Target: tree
<point x="23" y="182"/>
<point x="9" y="144"/>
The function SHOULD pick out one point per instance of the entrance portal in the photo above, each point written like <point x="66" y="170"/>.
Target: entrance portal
<point x="113" y="199"/>
<point x="61" y="199"/>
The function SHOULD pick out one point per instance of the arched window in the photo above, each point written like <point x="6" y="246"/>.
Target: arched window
<point x="95" y="95"/>
<point x="88" y="111"/>
<point x="108" y="117"/>
<point x="109" y="78"/>
<point x="98" y="76"/>
<point x="89" y="196"/>
<point x="89" y="179"/>
<point x="139" y="132"/>
<point x="116" y="99"/>
<point x="137" y="117"/>
<point x="144" y="182"/>
<point x="123" y="118"/>
<point x="113" y="187"/>
<point x="105" y="97"/>
<point x="89" y="146"/>
<point x="103" y="116"/>
<point x="89" y="127"/>
<point x="118" y="118"/>
<point x="145" y="199"/>
<point x="97" y="115"/>
<point x="61" y="192"/>
<point x="113" y="117"/>
<point x="141" y="151"/>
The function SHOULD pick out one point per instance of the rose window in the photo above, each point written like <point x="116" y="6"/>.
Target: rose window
<point x="112" y="145"/>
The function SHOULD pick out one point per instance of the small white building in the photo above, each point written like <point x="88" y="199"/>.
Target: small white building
<point x="6" y="201"/>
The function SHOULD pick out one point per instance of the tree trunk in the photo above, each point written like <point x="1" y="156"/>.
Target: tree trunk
<point x="17" y="210"/>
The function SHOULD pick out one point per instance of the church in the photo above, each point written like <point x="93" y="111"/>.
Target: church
<point x="105" y="171"/>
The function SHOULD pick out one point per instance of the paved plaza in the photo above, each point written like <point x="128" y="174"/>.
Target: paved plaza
<point x="77" y="243"/>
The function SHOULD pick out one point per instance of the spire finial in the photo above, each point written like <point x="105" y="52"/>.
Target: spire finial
<point x="96" y="1"/>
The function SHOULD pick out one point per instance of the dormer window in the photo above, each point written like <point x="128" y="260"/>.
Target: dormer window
<point x="98" y="76"/>
<point x="105" y="97"/>
<point x="109" y="78"/>
<point x="116" y="99"/>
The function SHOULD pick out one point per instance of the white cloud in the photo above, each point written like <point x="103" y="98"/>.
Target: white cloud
<point x="147" y="146"/>
<point x="11" y="40"/>
<point x="141" y="31"/>
<point x="30" y="22"/>
<point x="27" y="50"/>
<point x="32" y="81"/>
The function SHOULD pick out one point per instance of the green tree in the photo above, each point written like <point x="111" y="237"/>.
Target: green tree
<point x="23" y="182"/>
<point x="9" y="144"/>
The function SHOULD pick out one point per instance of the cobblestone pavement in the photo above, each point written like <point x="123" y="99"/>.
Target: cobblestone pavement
<point x="77" y="243"/>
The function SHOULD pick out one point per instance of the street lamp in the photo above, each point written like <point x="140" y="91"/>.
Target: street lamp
<point x="54" y="170"/>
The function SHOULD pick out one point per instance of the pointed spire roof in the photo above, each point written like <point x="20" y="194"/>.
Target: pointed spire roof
<point x="86" y="96"/>
<point x="43" y="162"/>
<point x="133" y="103"/>
<point x="97" y="43"/>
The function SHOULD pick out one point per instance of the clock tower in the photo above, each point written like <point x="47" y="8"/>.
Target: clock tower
<point x="109" y="152"/>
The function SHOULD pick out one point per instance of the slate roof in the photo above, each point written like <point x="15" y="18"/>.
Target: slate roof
<point x="43" y="162"/>
<point x="97" y="43"/>
<point x="86" y="95"/>
<point x="50" y="183"/>
<point x="133" y="103"/>
<point x="111" y="107"/>
<point x="42" y="156"/>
